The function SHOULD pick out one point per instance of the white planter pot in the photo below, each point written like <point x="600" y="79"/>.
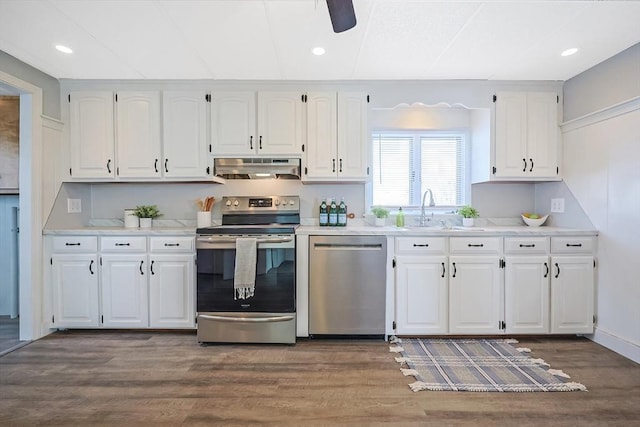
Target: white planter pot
<point x="130" y="220"/>
<point x="145" y="222"/>
<point x="467" y="222"/>
<point x="380" y="222"/>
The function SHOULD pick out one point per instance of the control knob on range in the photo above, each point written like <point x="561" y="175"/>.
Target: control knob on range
<point x="236" y="202"/>
<point x="292" y="202"/>
<point x="228" y="203"/>
<point x="277" y="202"/>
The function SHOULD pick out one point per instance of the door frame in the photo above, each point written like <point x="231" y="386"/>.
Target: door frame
<point x="31" y="286"/>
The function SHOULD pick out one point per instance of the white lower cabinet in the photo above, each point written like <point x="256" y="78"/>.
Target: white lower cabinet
<point x="421" y="296"/>
<point x="122" y="284"/>
<point x="75" y="290"/>
<point x="171" y="291"/>
<point x="526" y="285"/>
<point x="475" y="295"/>
<point x="572" y="295"/>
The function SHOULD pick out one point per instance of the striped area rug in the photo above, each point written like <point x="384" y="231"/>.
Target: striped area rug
<point x="476" y="365"/>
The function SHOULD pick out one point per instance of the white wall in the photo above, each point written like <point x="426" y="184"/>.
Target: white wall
<point x="601" y="154"/>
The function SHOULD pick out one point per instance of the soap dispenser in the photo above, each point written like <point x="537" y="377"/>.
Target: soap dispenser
<point x="400" y="218"/>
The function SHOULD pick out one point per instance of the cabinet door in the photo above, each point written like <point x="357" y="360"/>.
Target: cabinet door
<point x="91" y="135"/>
<point x="542" y="134"/>
<point x="75" y="291"/>
<point x="138" y="141"/>
<point x="184" y="134"/>
<point x="321" y="145"/>
<point x="511" y="134"/>
<point x="233" y="123"/>
<point x="353" y="140"/>
<point x="124" y="291"/>
<point x="280" y="123"/>
<point x="421" y="295"/>
<point x="171" y="291"/>
<point x="526" y="291"/>
<point x="572" y="294"/>
<point x="475" y="298"/>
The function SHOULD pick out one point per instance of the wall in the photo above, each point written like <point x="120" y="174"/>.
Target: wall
<point x="601" y="152"/>
<point x="50" y="86"/>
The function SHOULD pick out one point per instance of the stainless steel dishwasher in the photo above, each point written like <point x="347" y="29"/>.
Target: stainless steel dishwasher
<point x="347" y="281"/>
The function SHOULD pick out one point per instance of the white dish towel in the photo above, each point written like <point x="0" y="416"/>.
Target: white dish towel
<point x="244" y="279"/>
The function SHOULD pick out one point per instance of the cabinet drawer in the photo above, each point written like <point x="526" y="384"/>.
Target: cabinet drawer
<point x="526" y="245"/>
<point x="475" y="245"/>
<point x="123" y="244"/>
<point x="574" y="245"/>
<point x="172" y="244"/>
<point x="75" y="244"/>
<point x="421" y="245"/>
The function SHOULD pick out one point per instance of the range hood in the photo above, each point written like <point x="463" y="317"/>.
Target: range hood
<point x="257" y="168"/>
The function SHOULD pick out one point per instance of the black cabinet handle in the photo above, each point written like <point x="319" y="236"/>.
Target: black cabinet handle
<point x="72" y="244"/>
<point x="442" y="270"/>
<point x="260" y="143"/>
<point x="531" y="169"/>
<point x="525" y="165"/>
<point x="340" y="165"/>
<point x="574" y="245"/>
<point x="558" y="272"/>
<point x="546" y="274"/>
<point x="109" y="165"/>
<point x="334" y="165"/>
<point x="172" y="244"/>
<point x="152" y="272"/>
<point x="166" y="165"/>
<point x="123" y="244"/>
<point x="454" y="269"/>
<point x="91" y="267"/>
<point x="141" y="272"/>
<point x="527" y="246"/>
<point x="155" y="165"/>
<point x="420" y="245"/>
<point x="476" y="246"/>
<point x="251" y="142"/>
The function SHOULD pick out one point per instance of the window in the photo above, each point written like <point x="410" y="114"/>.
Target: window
<point x="406" y="164"/>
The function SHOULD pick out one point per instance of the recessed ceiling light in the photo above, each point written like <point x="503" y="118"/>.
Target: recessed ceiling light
<point x="64" y="49"/>
<point x="569" y="52"/>
<point x="318" y="51"/>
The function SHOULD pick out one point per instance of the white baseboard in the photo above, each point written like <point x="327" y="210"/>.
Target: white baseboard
<point x="617" y="344"/>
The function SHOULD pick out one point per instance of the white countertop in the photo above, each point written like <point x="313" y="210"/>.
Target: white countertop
<point x="437" y="231"/>
<point x="106" y="231"/>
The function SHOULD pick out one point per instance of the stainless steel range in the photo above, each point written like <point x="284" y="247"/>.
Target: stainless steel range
<point x="257" y="234"/>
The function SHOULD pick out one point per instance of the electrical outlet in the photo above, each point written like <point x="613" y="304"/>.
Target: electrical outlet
<point x="74" y="205"/>
<point x="557" y="205"/>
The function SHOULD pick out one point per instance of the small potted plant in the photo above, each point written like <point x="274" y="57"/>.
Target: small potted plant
<point x="381" y="215"/>
<point x="468" y="213"/>
<point x="146" y="213"/>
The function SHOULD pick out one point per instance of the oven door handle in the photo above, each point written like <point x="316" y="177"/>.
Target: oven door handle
<point x="233" y="240"/>
<point x="248" y="319"/>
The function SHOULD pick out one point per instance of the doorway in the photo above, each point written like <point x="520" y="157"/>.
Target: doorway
<point x="28" y="216"/>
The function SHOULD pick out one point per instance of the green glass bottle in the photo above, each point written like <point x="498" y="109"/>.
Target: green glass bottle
<point x="342" y="214"/>
<point x="333" y="213"/>
<point x="400" y="218"/>
<point x="323" y="218"/>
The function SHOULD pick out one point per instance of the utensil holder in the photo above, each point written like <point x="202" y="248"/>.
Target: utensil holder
<point x="203" y="219"/>
<point x="130" y="220"/>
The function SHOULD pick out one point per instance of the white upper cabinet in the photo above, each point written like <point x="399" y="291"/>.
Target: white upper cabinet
<point x="526" y="136"/>
<point x="280" y="123"/>
<point x="91" y="135"/>
<point x="233" y="123"/>
<point x="337" y="146"/>
<point x="185" y="135"/>
<point x="138" y="142"/>
<point x="135" y="138"/>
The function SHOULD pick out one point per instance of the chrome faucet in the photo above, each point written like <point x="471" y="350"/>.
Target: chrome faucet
<point x="431" y="204"/>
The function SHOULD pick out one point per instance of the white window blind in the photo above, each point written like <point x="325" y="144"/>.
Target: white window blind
<point x="406" y="164"/>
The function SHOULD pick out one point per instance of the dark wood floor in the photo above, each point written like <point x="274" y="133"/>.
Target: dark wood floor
<point x="165" y="378"/>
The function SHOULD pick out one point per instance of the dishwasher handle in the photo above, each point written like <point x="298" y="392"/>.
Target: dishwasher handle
<point x="348" y="246"/>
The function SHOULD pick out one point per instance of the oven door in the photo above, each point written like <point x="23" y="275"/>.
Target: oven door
<point x="275" y="283"/>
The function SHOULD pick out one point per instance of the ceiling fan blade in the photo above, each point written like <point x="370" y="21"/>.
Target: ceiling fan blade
<point x="343" y="17"/>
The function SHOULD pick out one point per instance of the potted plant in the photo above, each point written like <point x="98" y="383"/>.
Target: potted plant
<point x="381" y="215"/>
<point x="468" y="213"/>
<point x="146" y="213"/>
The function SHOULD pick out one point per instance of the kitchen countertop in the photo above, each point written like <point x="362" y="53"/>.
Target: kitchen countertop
<point x="438" y="231"/>
<point x="106" y="231"/>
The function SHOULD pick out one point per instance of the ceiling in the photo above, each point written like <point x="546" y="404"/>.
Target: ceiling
<point x="272" y="39"/>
